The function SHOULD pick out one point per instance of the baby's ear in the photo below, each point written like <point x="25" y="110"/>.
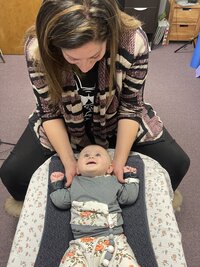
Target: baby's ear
<point x="110" y="169"/>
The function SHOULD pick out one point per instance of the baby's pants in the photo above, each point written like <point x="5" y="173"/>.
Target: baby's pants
<point x="90" y="252"/>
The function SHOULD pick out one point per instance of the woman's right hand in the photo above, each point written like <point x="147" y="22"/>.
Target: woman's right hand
<point x="57" y="134"/>
<point x="70" y="171"/>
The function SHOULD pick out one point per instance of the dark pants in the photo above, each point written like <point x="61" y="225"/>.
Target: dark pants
<point x="22" y="162"/>
<point x="28" y="155"/>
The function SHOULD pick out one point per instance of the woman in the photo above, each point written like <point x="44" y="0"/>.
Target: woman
<point x="87" y="63"/>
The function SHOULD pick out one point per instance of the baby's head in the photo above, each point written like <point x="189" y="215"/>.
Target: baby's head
<point x="94" y="160"/>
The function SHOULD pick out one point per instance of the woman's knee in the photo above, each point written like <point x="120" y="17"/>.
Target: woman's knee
<point x="185" y="163"/>
<point x="12" y="177"/>
<point x="179" y="168"/>
<point x="6" y="172"/>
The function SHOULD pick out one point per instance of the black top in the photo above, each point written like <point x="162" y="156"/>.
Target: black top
<point x="86" y="84"/>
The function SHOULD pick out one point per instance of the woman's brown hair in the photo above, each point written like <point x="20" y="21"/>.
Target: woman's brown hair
<point x="70" y="24"/>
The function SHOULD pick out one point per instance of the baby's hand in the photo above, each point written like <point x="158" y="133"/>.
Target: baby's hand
<point x="56" y="176"/>
<point x="129" y="169"/>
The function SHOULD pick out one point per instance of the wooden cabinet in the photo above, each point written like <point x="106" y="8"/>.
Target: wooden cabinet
<point x="16" y="16"/>
<point x="184" y="22"/>
<point x="145" y="11"/>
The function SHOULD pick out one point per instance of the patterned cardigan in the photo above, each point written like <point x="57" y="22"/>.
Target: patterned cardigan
<point x="126" y="99"/>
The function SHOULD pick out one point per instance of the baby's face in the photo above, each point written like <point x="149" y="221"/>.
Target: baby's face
<point x="94" y="161"/>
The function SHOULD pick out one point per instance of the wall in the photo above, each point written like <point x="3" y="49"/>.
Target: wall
<point x="16" y="16"/>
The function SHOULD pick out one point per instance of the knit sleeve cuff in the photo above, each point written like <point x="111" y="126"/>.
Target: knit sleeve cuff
<point x="56" y="185"/>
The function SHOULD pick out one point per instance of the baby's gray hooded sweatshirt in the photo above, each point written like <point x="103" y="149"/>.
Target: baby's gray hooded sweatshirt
<point x="95" y="203"/>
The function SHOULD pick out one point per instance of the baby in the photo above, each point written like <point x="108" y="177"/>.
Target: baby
<point x="94" y="197"/>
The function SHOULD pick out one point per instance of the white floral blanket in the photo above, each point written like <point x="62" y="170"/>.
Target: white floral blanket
<point x="164" y="231"/>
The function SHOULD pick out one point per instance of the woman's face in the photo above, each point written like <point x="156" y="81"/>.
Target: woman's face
<point x="85" y="56"/>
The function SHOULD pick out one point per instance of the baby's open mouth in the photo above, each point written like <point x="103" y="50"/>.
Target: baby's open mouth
<point x="91" y="162"/>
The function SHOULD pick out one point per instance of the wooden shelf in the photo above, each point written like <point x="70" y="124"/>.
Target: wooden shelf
<point x="184" y="22"/>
